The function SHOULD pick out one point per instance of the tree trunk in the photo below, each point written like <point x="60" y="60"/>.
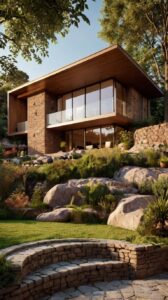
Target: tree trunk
<point x="166" y="89"/>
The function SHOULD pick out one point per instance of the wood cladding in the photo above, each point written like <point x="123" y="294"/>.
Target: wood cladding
<point x="112" y="62"/>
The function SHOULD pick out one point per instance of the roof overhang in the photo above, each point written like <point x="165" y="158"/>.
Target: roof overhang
<point x="112" y="62"/>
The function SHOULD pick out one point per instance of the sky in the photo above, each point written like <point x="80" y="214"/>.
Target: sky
<point x="79" y="42"/>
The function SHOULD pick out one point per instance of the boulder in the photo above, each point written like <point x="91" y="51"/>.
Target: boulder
<point x="57" y="215"/>
<point x="129" y="211"/>
<point x="138" y="175"/>
<point x="61" y="195"/>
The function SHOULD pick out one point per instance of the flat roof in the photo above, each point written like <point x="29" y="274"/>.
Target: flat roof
<point x="112" y="62"/>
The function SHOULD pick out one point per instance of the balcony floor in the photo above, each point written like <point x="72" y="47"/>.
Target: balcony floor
<point x="92" y="122"/>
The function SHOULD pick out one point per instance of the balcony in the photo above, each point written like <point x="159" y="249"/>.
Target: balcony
<point x="59" y="117"/>
<point x="22" y="127"/>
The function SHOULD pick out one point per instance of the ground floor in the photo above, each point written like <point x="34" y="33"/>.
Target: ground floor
<point x="89" y="138"/>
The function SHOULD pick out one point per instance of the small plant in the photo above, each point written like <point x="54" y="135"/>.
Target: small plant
<point x="7" y="275"/>
<point x="63" y="145"/>
<point x="108" y="204"/>
<point x="164" y="162"/>
<point x="127" y="138"/>
<point x="17" y="199"/>
<point x="152" y="158"/>
<point x="155" y="218"/>
<point x="160" y="188"/>
<point x="146" y="187"/>
<point x="37" y="199"/>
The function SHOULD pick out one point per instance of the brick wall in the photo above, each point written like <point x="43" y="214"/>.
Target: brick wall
<point x="40" y="139"/>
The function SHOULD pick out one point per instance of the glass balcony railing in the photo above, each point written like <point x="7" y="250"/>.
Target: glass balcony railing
<point x="59" y="117"/>
<point x="22" y="126"/>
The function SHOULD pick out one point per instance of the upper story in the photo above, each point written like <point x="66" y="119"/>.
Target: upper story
<point x="108" y="87"/>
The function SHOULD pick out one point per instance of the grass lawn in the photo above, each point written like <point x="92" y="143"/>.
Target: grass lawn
<point x="17" y="232"/>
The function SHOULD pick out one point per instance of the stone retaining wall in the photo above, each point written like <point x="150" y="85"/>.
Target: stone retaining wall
<point x="157" y="134"/>
<point x="125" y="261"/>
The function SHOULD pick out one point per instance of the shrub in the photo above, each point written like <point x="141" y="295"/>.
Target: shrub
<point x="10" y="178"/>
<point x="127" y="138"/>
<point x="146" y="187"/>
<point x="107" y="204"/>
<point x="37" y="199"/>
<point x="7" y="275"/>
<point x="95" y="193"/>
<point x="17" y="199"/>
<point x="155" y="218"/>
<point x="152" y="158"/>
<point x="160" y="188"/>
<point x="81" y="216"/>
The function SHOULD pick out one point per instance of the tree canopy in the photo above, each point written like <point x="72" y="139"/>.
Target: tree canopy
<point x="27" y="26"/>
<point x="141" y="27"/>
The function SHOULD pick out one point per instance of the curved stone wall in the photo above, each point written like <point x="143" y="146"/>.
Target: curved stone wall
<point x="152" y="135"/>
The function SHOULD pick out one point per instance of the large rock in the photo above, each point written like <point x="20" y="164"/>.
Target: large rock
<point x="129" y="211"/>
<point x="62" y="194"/>
<point x="57" y="215"/>
<point x="138" y="175"/>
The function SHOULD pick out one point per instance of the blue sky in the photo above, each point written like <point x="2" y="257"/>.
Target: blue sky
<point x="79" y="43"/>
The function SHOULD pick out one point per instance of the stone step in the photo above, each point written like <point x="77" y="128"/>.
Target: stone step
<point x="32" y="258"/>
<point x="67" y="274"/>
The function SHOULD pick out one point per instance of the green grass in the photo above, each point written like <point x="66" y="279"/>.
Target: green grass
<point x="17" y="232"/>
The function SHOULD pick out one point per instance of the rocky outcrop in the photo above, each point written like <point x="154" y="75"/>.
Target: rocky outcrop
<point x="129" y="211"/>
<point x="57" y="215"/>
<point x="62" y="194"/>
<point x="138" y="175"/>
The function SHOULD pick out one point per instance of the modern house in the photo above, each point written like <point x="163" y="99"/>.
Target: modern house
<point x="84" y="104"/>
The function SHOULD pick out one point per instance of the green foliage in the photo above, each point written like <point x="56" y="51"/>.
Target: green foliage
<point x="10" y="178"/>
<point x="24" y="31"/>
<point x="37" y="199"/>
<point x="164" y="159"/>
<point x="107" y="204"/>
<point x="80" y="216"/>
<point x="127" y="138"/>
<point x="7" y="274"/>
<point x="152" y="158"/>
<point x="94" y="193"/>
<point x="63" y="145"/>
<point x="146" y="187"/>
<point x="160" y="188"/>
<point x="155" y="218"/>
<point x="139" y="28"/>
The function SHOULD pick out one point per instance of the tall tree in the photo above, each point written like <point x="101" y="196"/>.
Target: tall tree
<point x="141" y="27"/>
<point x="27" y="26"/>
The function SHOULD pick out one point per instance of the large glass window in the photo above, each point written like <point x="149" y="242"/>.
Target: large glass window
<point x="107" y="101"/>
<point x="107" y="136"/>
<point x="79" y="104"/>
<point x="67" y="107"/>
<point x="92" y="138"/>
<point x="93" y="100"/>
<point x="78" y="139"/>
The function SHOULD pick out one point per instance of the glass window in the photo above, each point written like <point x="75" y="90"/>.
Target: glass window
<point x="67" y="108"/>
<point x="92" y="138"/>
<point x="107" y="136"/>
<point x="78" y="139"/>
<point x="93" y="101"/>
<point x="79" y="104"/>
<point x="107" y="100"/>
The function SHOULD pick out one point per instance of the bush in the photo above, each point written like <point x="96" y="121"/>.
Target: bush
<point x="10" y="178"/>
<point x="152" y="158"/>
<point x="127" y="138"/>
<point x="160" y="188"/>
<point x="17" y="199"/>
<point x="146" y="187"/>
<point x="95" y="193"/>
<point x="7" y="275"/>
<point x="107" y="204"/>
<point x="37" y="199"/>
<point x="80" y="216"/>
<point x="155" y="218"/>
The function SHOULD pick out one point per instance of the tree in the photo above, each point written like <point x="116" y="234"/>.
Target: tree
<point x="10" y="78"/>
<point x="141" y="27"/>
<point x="27" y="26"/>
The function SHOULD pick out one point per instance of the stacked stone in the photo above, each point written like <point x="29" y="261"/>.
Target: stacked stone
<point x="48" y="267"/>
<point x="152" y="136"/>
